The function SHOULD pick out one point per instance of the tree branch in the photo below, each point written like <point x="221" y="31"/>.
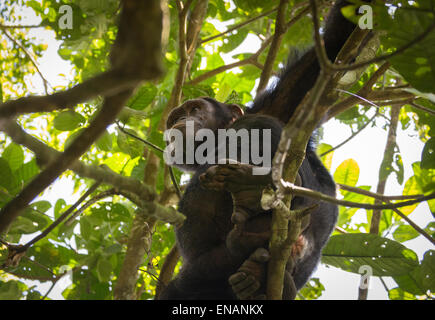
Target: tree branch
<point x="417" y="106"/>
<point x="289" y="188"/>
<point x="44" y="154"/>
<point x="110" y="82"/>
<point x="384" y="57"/>
<point x="250" y="60"/>
<point x="44" y="81"/>
<point x="353" y="135"/>
<point x="61" y="218"/>
<point x="387" y="199"/>
<point x="139" y="243"/>
<point x="138" y="15"/>
<point x="280" y="30"/>
<point x="238" y="26"/>
<point x="108" y="113"/>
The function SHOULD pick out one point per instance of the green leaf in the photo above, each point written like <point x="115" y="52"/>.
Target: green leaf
<point x="113" y="249"/>
<point x="223" y="93"/>
<point x="411" y="188"/>
<point x="416" y="63"/>
<point x="398" y="162"/>
<point x="422" y="278"/>
<point x="347" y="173"/>
<point x="405" y="233"/>
<point x="105" y="142"/>
<point x="138" y="171"/>
<point x="232" y="41"/>
<point x="27" y="171"/>
<point x="7" y="179"/>
<point x="72" y="137"/>
<point x="59" y="207"/>
<point x="128" y="144"/>
<point x="22" y="225"/>
<point x="326" y="159"/>
<point x="10" y="290"/>
<point x="399" y="294"/>
<point x="104" y="269"/>
<point x="386" y="257"/>
<point x="14" y="154"/>
<point x="428" y="155"/>
<point x="40" y="206"/>
<point x="428" y="270"/>
<point x="312" y="290"/>
<point x="143" y="97"/>
<point x="68" y="120"/>
<point x="32" y="219"/>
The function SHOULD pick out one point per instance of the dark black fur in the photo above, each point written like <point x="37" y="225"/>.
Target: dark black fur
<point x="301" y="74"/>
<point x="208" y="262"/>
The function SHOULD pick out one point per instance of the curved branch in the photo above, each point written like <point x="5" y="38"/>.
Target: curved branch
<point x="387" y="199"/>
<point x="44" y="81"/>
<point x="384" y="57"/>
<point x="60" y="219"/>
<point x="238" y="26"/>
<point x="107" y="115"/>
<point x="280" y="30"/>
<point x="353" y="135"/>
<point x="417" y="106"/>
<point x="110" y="82"/>
<point x="138" y="15"/>
<point x="2" y="26"/>
<point x="290" y="188"/>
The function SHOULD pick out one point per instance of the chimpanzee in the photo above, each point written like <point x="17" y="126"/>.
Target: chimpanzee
<point x="211" y="242"/>
<point x="221" y="261"/>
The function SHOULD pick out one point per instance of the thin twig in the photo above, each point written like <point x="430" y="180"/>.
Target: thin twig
<point x="171" y="172"/>
<point x="250" y="60"/>
<point x="89" y="203"/>
<point x="237" y="26"/>
<point x="2" y="26"/>
<point x="387" y="199"/>
<point x="61" y="218"/>
<point x="353" y="135"/>
<point x="290" y="188"/>
<point x="384" y="57"/>
<point x="174" y="182"/>
<point x="280" y="30"/>
<point x="320" y="45"/>
<point x="44" y="81"/>
<point x="139" y="138"/>
<point x="417" y="106"/>
<point x="378" y="195"/>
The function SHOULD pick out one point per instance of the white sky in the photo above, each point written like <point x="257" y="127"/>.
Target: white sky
<point x="367" y="149"/>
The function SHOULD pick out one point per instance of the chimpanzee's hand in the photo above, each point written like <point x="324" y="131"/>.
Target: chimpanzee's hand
<point x="249" y="281"/>
<point x="233" y="177"/>
<point x="245" y="187"/>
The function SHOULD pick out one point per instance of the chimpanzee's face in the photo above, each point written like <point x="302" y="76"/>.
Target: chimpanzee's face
<point x="200" y="111"/>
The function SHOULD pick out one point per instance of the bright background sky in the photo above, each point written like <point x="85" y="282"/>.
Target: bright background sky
<point x="367" y="149"/>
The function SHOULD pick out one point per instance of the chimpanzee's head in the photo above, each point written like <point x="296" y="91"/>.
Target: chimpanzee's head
<point x="203" y="113"/>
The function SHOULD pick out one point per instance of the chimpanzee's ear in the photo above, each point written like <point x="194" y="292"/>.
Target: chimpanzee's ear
<point x="236" y="111"/>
